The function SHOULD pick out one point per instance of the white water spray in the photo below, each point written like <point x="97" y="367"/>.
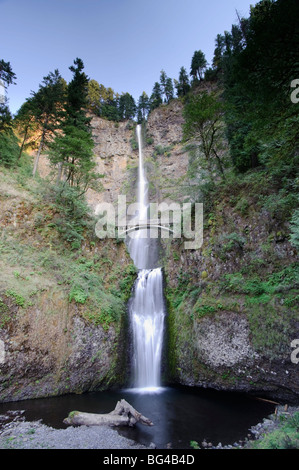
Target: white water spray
<point x="146" y="307"/>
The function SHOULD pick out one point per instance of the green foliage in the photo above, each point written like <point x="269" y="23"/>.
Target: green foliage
<point x="143" y="107"/>
<point x="78" y="295"/>
<point x="242" y="205"/>
<point x="156" y="96"/>
<point x="182" y="85"/>
<point x="73" y="152"/>
<point x="203" y="124"/>
<point x="7" y="77"/>
<point x="280" y="205"/>
<point x="231" y="242"/>
<point x="166" y="87"/>
<point x="76" y="99"/>
<point x="198" y="65"/>
<point x="5" y="315"/>
<point x="194" y="445"/>
<point x="126" y="107"/>
<point x="19" y="299"/>
<point x="126" y="281"/>
<point x="160" y="150"/>
<point x="262" y="122"/>
<point x="73" y="216"/>
<point x="9" y="148"/>
<point x="285" y="437"/>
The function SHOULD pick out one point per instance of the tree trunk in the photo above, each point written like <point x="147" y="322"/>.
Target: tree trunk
<point x="123" y="415"/>
<point x="219" y="164"/>
<point x="40" y="147"/>
<point x="59" y="174"/>
<point x="23" y="143"/>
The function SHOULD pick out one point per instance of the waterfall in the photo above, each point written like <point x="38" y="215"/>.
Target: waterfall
<point x="146" y="307"/>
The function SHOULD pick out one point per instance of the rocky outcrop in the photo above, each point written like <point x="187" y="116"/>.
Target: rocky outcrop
<point x="52" y="342"/>
<point x="49" y="354"/>
<point x="231" y="321"/>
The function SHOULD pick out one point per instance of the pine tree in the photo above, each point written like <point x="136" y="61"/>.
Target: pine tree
<point x="169" y="90"/>
<point x="72" y="149"/>
<point x="198" y="65"/>
<point x="143" y="107"/>
<point x="156" y="96"/>
<point x="26" y="124"/>
<point x="94" y="96"/>
<point x="7" y="77"/>
<point x="46" y="105"/>
<point x="77" y="97"/>
<point x="126" y="106"/>
<point x="183" y="85"/>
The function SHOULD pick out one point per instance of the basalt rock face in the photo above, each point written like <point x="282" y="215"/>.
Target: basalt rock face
<point x="231" y="320"/>
<point x="53" y="343"/>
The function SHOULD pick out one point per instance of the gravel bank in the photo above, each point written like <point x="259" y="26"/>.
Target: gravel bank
<point x="20" y="434"/>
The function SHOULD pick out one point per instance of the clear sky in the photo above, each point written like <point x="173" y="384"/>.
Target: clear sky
<point x="124" y="44"/>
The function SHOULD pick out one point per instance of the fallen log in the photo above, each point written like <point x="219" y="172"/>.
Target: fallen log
<point x="123" y="415"/>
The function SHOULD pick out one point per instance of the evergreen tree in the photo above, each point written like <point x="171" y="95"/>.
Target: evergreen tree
<point x="26" y="124"/>
<point x="72" y="149"/>
<point x="126" y="106"/>
<point x="183" y="85"/>
<point x="169" y="90"/>
<point x="259" y="62"/>
<point x="166" y="87"/>
<point x="77" y="97"/>
<point x="143" y="107"/>
<point x="163" y="81"/>
<point x="156" y="96"/>
<point x="94" y="96"/>
<point x="7" y="77"/>
<point x="198" y="65"/>
<point x="46" y="105"/>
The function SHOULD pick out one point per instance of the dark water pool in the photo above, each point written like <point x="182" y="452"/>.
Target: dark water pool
<point x="180" y="415"/>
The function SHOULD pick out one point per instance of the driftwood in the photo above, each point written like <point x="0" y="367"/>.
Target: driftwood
<point x="123" y="415"/>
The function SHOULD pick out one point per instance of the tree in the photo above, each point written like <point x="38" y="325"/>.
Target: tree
<point x="7" y="77"/>
<point x="126" y="106"/>
<point x="156" y="96"/>
<point x="169" y="91"/>
<point x="182" y="85"/>
<point x="203" y="125"/>
<point x="198" y="65"/>
<point x="46" y="104"/>
<point x="77" y="97"/>
<point x="94" y="96"/>
<point x="259" y="61"/>
<point x="25" y="123"/>
<point x="143" y="107"/>
<point x="6" y="73"/>
<point x="72" y="149"/>
<point x="166" y="87"/>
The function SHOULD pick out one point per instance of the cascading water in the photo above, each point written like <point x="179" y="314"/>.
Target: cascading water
<point x="146" y="306"/>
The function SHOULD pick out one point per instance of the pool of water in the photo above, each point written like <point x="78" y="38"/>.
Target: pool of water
<point x="179" y="414"/>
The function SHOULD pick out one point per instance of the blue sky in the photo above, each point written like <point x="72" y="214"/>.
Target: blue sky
<point x="124" y="44"/>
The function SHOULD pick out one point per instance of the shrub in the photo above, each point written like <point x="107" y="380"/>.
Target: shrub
<point x="9" y="149"/>
<point x="74" y="214"/>
<point x="231" y="242"/>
